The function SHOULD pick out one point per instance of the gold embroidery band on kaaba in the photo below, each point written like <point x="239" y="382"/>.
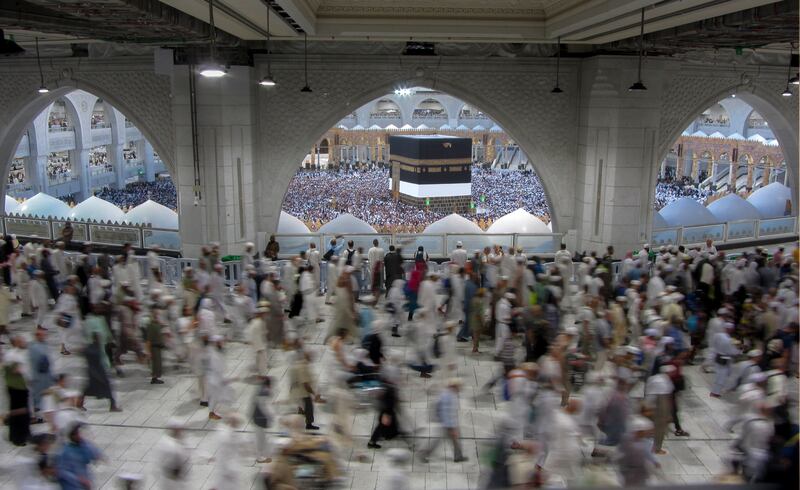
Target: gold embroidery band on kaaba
<point x="439" y="162"/>
<point x="428" y="169"/>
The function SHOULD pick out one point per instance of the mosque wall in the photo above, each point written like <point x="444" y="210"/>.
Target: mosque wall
<point x="130" y="84"/>
<point x="596" y="147"/>
<point x="514" y="93"/>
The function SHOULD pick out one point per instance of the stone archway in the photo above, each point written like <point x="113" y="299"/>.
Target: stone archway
<point x="279" y="153"/>
<point x="680" y="107"/>
<point x="144" y="105"/>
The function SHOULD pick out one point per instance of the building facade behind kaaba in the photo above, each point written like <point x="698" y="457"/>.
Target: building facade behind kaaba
<point x="432" y="171"/>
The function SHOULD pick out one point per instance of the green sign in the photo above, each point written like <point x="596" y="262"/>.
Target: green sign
<point x="483" y="198"/>
<point x="427" y="201"/>
<point x="472" y="204"/>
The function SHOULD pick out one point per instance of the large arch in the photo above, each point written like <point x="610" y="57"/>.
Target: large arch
<point x="368" y="96"/>
<point x="765" y="100"/>
<point x="279" y="178"/>
<point x="34" y="103"/>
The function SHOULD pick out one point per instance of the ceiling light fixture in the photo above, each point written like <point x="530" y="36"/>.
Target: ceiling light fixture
<point x="787" y="92"/>
<point x="305" y="88"/>
<point x="793" y="80"/>
<point x="213" y="69"/>
<point x="402" y="92"/>
<point x="268" y="81"/>
<point x="42" y="87"/>
<point x="557" y="89"/>
<point x="639" y="86"/>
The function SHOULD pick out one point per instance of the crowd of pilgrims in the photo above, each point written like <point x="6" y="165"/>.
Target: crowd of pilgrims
<point x="589" y="365"/>
<point x="160" y="190"/>
<point x="669" y="190"/>
<point x="318" y="196"/>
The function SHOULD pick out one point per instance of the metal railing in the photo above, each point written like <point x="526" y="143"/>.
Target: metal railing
<point x="114" y="234"/>
<point x="437" y="246"/>
<point x="730" y="232"/>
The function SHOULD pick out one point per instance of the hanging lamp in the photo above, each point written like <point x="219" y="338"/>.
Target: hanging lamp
<point x="306" y="88"/>
<point x="42" y="87"/>
<point x="268" y="80"/>
<point x="639" y="86"/>
<point x="213" y="69"/>
<point x="557" y="89"/>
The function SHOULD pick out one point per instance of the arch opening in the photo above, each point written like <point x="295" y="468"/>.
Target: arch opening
<point x="737" y="156"/>
<point x="357" y="176"/>
<point x="76" y="144"/>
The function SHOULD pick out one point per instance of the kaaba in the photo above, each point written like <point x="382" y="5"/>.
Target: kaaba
<point x="432" y="171"/>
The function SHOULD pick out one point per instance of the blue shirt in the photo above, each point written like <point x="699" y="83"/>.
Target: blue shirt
<point x="72" y="464"/>
<point x="448" y="409"/>
<point x="337" y="248"/>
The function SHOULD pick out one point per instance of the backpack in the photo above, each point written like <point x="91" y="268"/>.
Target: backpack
<point x="349" y="260"/>
<point x="328" y="255"/>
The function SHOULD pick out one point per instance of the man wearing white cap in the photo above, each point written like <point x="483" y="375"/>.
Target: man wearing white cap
<point x="715" y="325"/>
<point x="446" y="413"/>
<point x="658" y="392"/>
<point x="459" y="256"/>
<point x="742" y="370"/>
<point x="428" y="315"/>
<point x="228" y="466"/>
<point x="636" y="460"/>
<point x="725" y="351"/>
<point x="375" y="260"/>
<point x="313" y="258"/>
<point x="257" y="335"/>
<point x="397" y="477"/>
<point x="173" y="457"/>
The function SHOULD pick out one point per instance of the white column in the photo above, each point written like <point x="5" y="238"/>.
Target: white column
<point x="79" y="158"/>
<point x="118" y="163"/>
<point x="149" y="162"/>
<point x="224" y="212"/>
<point x="38" y="176"/>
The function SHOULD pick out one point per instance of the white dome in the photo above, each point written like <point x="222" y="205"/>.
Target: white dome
<point x="453" y="223"/>
<point x="461" y="127"/>
<point x="346" y="223"/>
<point x="391" y="127"/>
<point x="700" y="134"/>
<point x="659" y="222"/>
<point x="357" y="127"/>
<point x="519" y="221"/>
<point x="735" y="136"/>
<point x="97" y="209"/>
<point x="479" y="128"/>
<point x="496" y="129"/>
<point x="732" y="208"/>
<point x="291" y="225"/>
<point x="772" y="143"/>
<point x="12" y="206"/>
<point x="550" y="225"/>
<point x="716" y="134"/>
<point x="770" y="201"/>
<point x="445" y="126"/>
<point x="687" y="212"/>
<point x="422" y="126"/>
<point x="154" y="214"/>
<point x="757" y="137"/>
<point x="42" y="205"/>
<point x="374" y="127"/>
<point x="406" y="127"/>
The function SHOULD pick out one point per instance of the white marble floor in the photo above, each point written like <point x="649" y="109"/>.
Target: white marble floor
<point x="128" y="439"/>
